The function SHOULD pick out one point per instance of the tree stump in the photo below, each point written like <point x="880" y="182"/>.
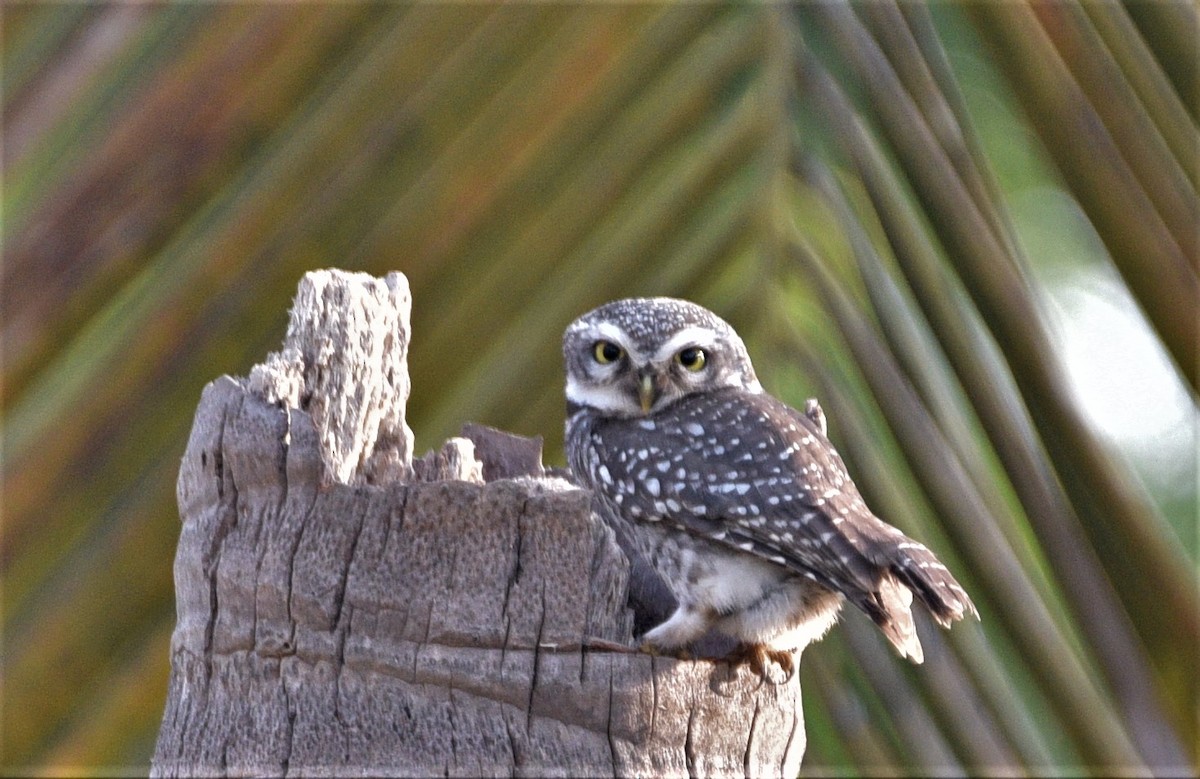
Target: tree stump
<point x="344" y="610"/>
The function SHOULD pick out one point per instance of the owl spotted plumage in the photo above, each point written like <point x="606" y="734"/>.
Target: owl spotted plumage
<point x="737" y="500"/>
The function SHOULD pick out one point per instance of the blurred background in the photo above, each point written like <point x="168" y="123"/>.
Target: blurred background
<point x="970" y="230"/>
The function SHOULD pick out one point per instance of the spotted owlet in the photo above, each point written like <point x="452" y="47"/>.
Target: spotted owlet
<point x="737" y="500"/>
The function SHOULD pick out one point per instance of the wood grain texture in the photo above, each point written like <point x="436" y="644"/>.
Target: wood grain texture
<point x="422" y="627"/>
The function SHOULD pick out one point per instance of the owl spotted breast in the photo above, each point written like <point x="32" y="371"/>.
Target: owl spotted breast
<point x="737" y="500"/>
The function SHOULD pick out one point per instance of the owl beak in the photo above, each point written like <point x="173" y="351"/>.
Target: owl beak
<point x="647" y="392"/>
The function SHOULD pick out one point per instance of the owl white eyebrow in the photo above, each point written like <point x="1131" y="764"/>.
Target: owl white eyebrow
<point x="689" y="336"/>
<point x="612" y="332"/>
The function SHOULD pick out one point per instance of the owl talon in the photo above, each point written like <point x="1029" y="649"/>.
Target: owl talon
<point x="759" y="657"/>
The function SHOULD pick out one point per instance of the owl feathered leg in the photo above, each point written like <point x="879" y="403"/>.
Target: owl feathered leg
<point x="787" y="617"/>
<point x="689" y="624"/>
<point x="778" y="627"/>
<point x="686" y="625"/>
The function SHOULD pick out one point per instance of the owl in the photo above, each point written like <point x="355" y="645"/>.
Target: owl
<point x="738" y="501"/>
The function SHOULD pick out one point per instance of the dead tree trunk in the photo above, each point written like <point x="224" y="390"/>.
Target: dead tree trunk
<point x="342" y="612"/>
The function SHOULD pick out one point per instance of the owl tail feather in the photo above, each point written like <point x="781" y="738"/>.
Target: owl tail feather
<point x="916" y="568"/>
<point x="910" y="571"/>
<point x="896" y="620"/>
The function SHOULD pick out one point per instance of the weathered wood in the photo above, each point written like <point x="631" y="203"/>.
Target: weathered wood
<point x="504" y="455"/>
<point x="337" y="620"/>
<point x="345" y="361"/>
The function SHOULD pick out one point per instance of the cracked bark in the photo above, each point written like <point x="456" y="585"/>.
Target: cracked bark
<point x="344" y="610"/>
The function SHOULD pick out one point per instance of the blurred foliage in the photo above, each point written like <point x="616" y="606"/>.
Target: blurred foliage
<point x="836" y="180"/>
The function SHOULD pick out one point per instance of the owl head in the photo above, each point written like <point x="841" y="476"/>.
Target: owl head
<point x="634" y="357"/>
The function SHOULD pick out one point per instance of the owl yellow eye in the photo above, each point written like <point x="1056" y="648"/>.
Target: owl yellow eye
<point x="693" y="358"/>
<point x="607" y="352"/>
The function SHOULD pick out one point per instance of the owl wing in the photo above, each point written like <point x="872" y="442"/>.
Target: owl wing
<point x="748" y="471"/>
